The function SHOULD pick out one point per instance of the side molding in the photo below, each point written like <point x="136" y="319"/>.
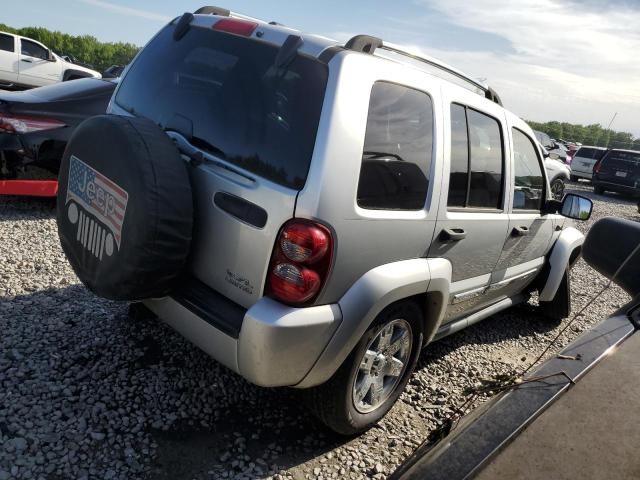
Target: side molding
<point x="567" y="242"/>
<point x="370" y="294"/>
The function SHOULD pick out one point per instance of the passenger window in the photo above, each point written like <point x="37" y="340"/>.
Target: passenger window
<point x="529" y="181"/>
<point x="458" y="178"/>
<point x="476" y="163"/>
<point x="486" y="161"/>
<point x="397" y="149"/>
<point x="6" y="43"/>
<point x="32" y="49"/>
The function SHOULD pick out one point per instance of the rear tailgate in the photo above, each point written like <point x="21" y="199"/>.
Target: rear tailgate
<point x="252" y="126"/>
<point x="621" y="168"/>
<point x="585" y="159"/>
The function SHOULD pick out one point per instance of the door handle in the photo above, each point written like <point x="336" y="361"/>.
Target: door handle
<point x="26" y="60"/>
<point x="520" y="231"/>
<point x="453" y="234"/>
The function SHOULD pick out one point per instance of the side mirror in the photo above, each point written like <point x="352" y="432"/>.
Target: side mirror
<point x="554" y="156"/>
<point x="51" y="57"/>
<point x="576" y="207"/>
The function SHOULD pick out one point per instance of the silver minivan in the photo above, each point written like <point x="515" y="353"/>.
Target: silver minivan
<point x="584" y="160"/>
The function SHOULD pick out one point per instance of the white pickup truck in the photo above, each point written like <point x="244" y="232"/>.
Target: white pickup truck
<point x="27" y="63"/>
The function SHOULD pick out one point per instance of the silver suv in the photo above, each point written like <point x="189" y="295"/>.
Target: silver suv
<point x="350" y="205"/>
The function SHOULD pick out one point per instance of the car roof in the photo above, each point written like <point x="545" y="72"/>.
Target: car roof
<point x="591" y="146"/>
<point x="625" y="150"/>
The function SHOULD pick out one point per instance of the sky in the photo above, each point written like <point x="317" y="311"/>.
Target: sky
<point x="567" y="60"/>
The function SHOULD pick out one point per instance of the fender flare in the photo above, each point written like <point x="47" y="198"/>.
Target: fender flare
<point x="75" y="73"/>
<point x="374" y="291"/>
<point x="561" y="255"/>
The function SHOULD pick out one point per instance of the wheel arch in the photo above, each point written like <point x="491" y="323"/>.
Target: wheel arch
<point x="565" y="252"/>
<point x="425" y="281"/>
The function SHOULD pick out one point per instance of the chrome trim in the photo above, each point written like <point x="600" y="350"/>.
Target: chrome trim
<point x="507" y="281"/>
<point x="468" y="295"/>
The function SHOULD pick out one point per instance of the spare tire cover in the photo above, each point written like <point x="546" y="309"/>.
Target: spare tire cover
<point x="125" y="207"/>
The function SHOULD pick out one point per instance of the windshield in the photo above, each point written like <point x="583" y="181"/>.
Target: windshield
<point x="224" y="93"/>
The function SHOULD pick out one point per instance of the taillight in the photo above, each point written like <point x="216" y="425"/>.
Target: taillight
<point x="596" y="167"/>
<point x="21" y="124"/>
<point x="235" y="26"/>
<point x="300" y="262"/>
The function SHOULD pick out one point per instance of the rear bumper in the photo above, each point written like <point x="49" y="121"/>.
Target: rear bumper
<point x="31" y="188"/>
<point x="578" y="173"/>
<point x="615" y="187"/>
<point x="277" y="345"/>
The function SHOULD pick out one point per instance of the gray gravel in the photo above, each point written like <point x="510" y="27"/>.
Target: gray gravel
<point x="86" y="392"/>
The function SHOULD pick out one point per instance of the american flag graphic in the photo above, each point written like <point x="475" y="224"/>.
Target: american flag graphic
<point x="98" y="195"/>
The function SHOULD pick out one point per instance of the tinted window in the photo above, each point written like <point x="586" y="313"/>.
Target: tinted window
<point x="458" y="177"/>
<point x="620" y="159"/>
<point x="592" y="153"/>
<point x="486" y="161"/>
<point x="476" y="139"/>
<point x="397" y="149"/>
<point x="224" y="93"/>
<point x="529" y="181"/>
<point x="6" y="43"/>
<point x="33" y="50"/>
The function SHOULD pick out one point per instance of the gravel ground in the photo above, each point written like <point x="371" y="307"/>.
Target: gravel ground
<point x="86" y="392"/>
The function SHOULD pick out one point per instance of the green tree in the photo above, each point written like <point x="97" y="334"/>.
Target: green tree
<point x="594" y="134"/>
<point x="85" y="48"/>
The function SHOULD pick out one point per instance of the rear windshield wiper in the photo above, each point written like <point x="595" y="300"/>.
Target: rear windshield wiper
<point x="193" y="147"/>
<point x="202" y="144"/>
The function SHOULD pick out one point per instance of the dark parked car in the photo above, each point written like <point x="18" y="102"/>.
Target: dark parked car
<point x="35" y="126"/>
<point x="617" y="171"/>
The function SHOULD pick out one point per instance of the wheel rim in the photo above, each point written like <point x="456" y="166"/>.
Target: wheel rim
<point x="557" y="189"/>
<point x="382" y="366"/>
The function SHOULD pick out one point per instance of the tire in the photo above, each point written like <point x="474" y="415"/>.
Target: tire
<point x="125" y="208"/>
<point x="560" y="306"/>
<point x="598" y="190"/>
<point x="334" y="403"/>
<point x="557" y="188"/>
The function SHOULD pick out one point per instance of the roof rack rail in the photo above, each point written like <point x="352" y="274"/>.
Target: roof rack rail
<point x="369" y="44"/>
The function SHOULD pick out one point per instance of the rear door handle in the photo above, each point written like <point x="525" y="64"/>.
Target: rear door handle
<point x="453" y="234"/>
<point x="26" y="60"/>
<point x="520" y="231"/>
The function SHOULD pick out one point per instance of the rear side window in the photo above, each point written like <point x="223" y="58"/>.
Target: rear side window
<point x="529" y="181"/>
<point x="6" y="43"/>
<point x="32" y="49"/>
<point x="592" y="153"/>
<point x="477" y="158"/>
<point x="397" y="149"/>
<point x="224" y="93"/>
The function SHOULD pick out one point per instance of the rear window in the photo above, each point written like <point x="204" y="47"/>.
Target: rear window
<point x="622" y="159"/>
<point x="593" y="153"/>
<point x="224" y="93"/>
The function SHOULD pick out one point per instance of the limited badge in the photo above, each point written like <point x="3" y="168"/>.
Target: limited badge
<point x="97" y="206"/>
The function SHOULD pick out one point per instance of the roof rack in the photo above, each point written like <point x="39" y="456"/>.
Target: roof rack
<point x="369" y="44"/>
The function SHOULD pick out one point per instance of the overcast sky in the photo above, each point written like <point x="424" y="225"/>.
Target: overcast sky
<point x="566" y="60"/>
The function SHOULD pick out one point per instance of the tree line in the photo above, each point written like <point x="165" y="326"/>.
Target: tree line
<point x="85" y="48"/>
<point x="594" y="134"/>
